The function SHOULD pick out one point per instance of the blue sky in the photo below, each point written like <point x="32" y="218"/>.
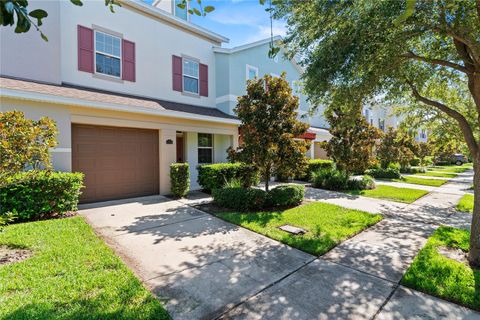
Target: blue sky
<point x="242" y="21"/>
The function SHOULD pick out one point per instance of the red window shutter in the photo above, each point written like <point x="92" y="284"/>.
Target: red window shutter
<point x="203" y="80"/>
<point x="128" y="60"/>
<point x="85" y="49"/>
<point x="177" y="73"/>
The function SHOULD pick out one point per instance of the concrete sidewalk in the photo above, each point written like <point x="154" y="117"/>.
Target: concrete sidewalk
<point x="201" y="267"/>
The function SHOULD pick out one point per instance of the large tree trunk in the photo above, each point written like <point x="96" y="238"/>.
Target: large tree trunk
<point x="474" y="253"/>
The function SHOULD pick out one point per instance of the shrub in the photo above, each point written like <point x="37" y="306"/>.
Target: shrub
<point x="379" y="173"/>
<point x="413" y="170"/>
<point x="415" y="162"/>
<point x="34" y="193"/>
<point x="365" y="183"/>
<point x="241" y="199"/>
<point x="331" y="179"/>
<point x="214" y="176"/>
<point x="315" y="165"/>
<point x="179" y="179"/>
<point x="286" y="195"/>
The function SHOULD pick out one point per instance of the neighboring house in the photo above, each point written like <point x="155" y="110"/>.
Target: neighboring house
<point x="131" y="92"/>
<point x="383" y="117"/>
<point x="235" y="66"/>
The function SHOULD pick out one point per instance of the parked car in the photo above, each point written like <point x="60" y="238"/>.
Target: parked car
<point x="457" y="158"/>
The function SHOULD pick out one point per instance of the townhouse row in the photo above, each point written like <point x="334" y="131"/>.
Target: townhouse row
<point x="134" y="91"/>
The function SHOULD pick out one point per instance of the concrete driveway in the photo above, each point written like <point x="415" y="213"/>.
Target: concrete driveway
<point x="199" y="266"/>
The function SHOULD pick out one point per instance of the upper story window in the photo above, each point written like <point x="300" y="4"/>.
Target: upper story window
<point x="190" y="76"/>
<point x="205" y="148"/>
<point x="108" y="54"/>
<point x="423" y="134"/>
<point x="252" y="72"/>
<point x="181" y="13"/>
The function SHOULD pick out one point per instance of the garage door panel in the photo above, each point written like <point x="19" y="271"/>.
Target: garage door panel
<point x="117" y="162"/>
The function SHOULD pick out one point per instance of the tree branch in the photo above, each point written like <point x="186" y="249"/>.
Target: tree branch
<point x="439" y="62"/>
<point x="464" y="125"/>
<point x="471" y="45"/>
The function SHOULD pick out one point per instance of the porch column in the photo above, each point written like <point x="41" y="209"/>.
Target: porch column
<point x="168" y="155"/>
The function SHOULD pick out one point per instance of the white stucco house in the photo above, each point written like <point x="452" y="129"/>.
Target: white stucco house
<point x="132" y="92"/>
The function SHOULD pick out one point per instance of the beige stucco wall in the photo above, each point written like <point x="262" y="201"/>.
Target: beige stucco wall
<point x="26" y="55"/>
<point x="65" y="115"/>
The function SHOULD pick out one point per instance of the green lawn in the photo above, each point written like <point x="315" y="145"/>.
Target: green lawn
<point x="405" y="195"/>
<point x="326" y="225"/>
<point x="451" y="169"/>
<point x="421" y="181"/>
<point x="437" y="174"/>
<point x="71" y="275"/>
<point x="466" y="203"/>
<point x="435" y="274"/>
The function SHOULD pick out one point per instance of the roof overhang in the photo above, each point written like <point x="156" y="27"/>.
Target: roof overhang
<point x="55" y="99"/>
<point x="167" y="17"/>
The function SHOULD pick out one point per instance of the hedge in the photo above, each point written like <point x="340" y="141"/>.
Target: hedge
<point x="214" y="176"/>
<point x="241" y="199"/>
<point x="34" y="193"/>
<point x="179" y="179"/>
<point x="314" y="165"/>
<point x="286" y="195"/>
<point x="389" y="173"/>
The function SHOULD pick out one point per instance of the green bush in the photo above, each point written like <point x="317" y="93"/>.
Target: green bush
<point x="241" y="199"/>
<point x="380" y="173"/>
<point x="315" y="165"/>
<point x="330" y="179"/>
<point x="214" y="176"/>
<point x="286" y="195"/>
<point x="365" y="183"/>
<point x="413" y="170"/>
<point x="179" y="179"/>
<point x="34" y="193"/>
<point x="415" y="162"/>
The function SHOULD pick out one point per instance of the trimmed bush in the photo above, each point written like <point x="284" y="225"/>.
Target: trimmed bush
<point x="241" y="199"/>
<point x="415" y="162"/>
<point x="380" y="173"/>
<point x="286" y="195"/>
<point x="413" y="170"/>
<point x="179" y="179"/>
<point x="314" y="165"/>
<point x="330" y="179"/>
<point x="34" y="193"/>
<point x="214" y="176"/>
<point x="365" y="183"/>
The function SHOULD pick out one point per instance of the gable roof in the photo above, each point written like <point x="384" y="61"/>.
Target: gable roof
<point x="101" y="99"/>
<point x="276" y="39"/>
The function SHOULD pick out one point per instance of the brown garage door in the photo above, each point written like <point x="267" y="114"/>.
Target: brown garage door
<point x="117" y="162"/>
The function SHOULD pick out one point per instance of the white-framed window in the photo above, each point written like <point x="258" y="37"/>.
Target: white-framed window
<point x="423" y="134"/>
<point x="381" y="124"/>
<point x="179" y="12"/>
<point x="190" y="76"/>
<point x="108" y="54"/>
<point x="205" y="148"/>
<point x="251" y="72"/>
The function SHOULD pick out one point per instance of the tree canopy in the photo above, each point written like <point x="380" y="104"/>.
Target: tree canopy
<point x="428" y="51"/>
<point x="270" y="129"/>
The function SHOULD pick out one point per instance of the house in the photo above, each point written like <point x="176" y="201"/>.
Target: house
<point x="235" y="66"/>
<point x="132" y="91"/>
<point x="383" y="116"/>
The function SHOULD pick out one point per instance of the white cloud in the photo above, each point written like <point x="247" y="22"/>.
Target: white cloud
<point x="263" y="32"/>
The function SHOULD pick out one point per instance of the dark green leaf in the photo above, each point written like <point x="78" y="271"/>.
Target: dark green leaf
<point x="77" y="2"/>
<point x="44" y="37"/>
<point x="197" y="12"/>
<point x="209" y="9"/>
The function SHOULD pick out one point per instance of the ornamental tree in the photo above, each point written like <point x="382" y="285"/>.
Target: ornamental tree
<point x="365" y="47"/>
<point x="388" y="151"/>
<point x="25" y="143"/>
<point x="353" y="140"/>
<point x="424" y="150"/>
<point x="269" y="129"/>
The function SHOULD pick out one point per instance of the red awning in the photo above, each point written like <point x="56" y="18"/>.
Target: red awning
<point x="308" y="136"/>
